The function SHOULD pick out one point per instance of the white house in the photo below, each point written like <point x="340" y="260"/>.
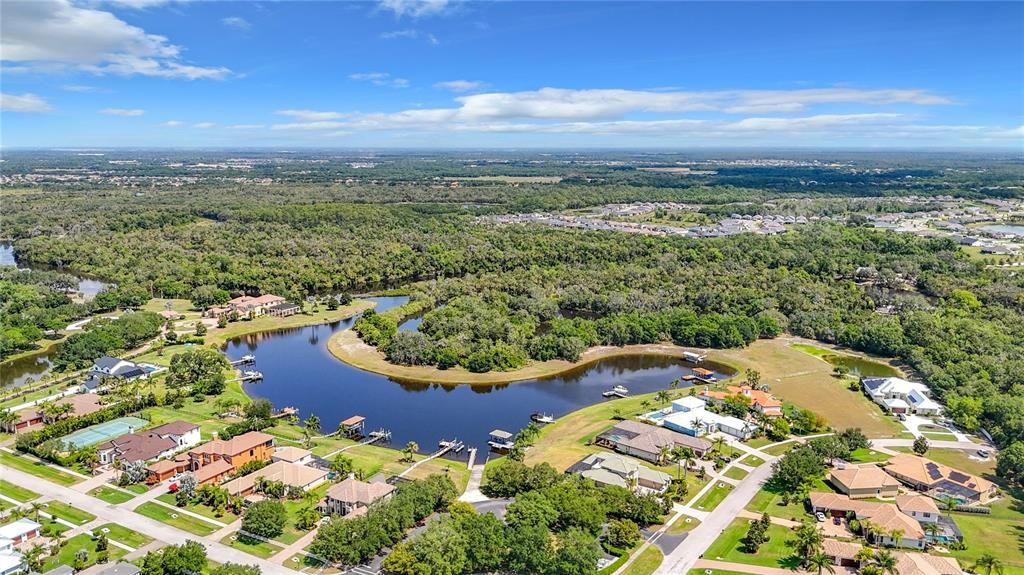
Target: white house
<point x="689" y="415"/>
<point x="898" y="395"/>
<point x="10" y="560"/>
<point x="20" y="531"/>
<point x="120" y="368"/>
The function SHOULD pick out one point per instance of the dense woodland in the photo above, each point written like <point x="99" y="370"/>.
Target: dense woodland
<point x="501" y="296"/>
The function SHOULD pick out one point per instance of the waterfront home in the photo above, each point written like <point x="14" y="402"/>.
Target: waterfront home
<point x="156" y="443"/>
<point x="353" y="497"/>
<point x="860" y="481"/>
<point x="292" y="454"/>
<point x="122" y="369"/>
<point x="122" y="568"/>
<point x="940" y="481"/>
<point x="284" y="309"/>
<point x="245" y="305"/>
<point x="20" y="531"/>
<point x="500" y="439"/>
<point x="32" y="417"/>
<point x="761" y="401"/>
<point x="886" y="519"/>
<point x="290" y="474"/>
<point x="688" y="415"/>
<point x="647" y="441"/>
<point x="619" y="470"/>
<point x="237" y="451"/>
<point x="898" y="395"/>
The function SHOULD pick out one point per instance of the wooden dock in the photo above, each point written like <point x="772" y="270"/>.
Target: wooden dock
<point x="446" y="446"/>
<point x="614" y="394"/>
<point x="374" y="437"/>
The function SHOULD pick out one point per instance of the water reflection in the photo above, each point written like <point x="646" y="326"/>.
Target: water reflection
<point x="300" y="372"/>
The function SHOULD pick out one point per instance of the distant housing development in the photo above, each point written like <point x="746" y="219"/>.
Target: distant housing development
<point x="246" y="304"/>
<point x="688" y="415"/>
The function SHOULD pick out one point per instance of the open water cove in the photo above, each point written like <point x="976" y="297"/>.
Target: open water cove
<point x="300" y="372"/>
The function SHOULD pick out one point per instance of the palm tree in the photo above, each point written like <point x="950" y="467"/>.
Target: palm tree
<point x="988" y="565"/>
<point x="410" y="448"/>
<point x="885" y="562"/>
<point x="36" y="508"/>
<point x="8" y="419"/>
<point x="683" y="455"/>
<point x="663" y="454"/>
<point x="897" y="536"/>
<point x="821" y="562"/>
<point x="867" y="528"/>
<point x="931" y="529"/>
<point x="864" y="555"/>
<point x="718" y="442"/>
<point x="674" y="384"/>
<point x="662" y="397"/>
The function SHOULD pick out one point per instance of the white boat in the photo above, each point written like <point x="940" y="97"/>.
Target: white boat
<point x="542" y="418"/>
<point x="620" y="389"/>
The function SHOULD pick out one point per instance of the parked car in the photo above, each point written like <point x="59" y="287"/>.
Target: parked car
<point x="984" y="453"/>
<point x="901" y="417"/>
<point x="820" y="516"/>
<point x="837" y="521"/>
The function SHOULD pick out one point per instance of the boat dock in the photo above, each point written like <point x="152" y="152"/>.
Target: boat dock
<point x="501" y="440"/>
<point x="446" y="446"/>
<point x="693" y="357"/>
<point x="373" y="437"/>
<point x="249" y="375"/>
<point x="617" y="392"/>
<point x="244" y="360"/>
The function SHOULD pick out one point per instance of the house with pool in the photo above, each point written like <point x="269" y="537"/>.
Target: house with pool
<point x="689" y="415"/>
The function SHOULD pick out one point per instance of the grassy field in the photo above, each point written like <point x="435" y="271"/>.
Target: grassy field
<point x="249" y="545"/>
<point x="124" y="535"/>
<point x="868" y="455"/>
<point x="39" y="469"/>
<point x="111" y="495"/>
<point x="713" y="497"/>
<point x="681" y="525"/>
<point x="137" y="488"/>
<point x="735" y="473"/>
<point x="781" y="448"/>
<point x="960" y="459"/>
<point x="713" y="572"/>
<point x="771" y="502"/>
<point x="185" y="522"/>
<point x="205" y="511"/>
<point x="66" y="555"/>
<point x="807" y="381"/>
<point x="17" y="492"/>
<point x="305" y="564"/>
<point x="68" y="513"/>
<point x="1000" y="534"/>
<point x="647" y="562"/>
<point x="728" y="546"/>
<point x="752" y="461"/>
<point x="939" y="436"/>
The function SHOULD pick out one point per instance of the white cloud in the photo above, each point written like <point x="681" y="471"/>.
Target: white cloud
<point x="410" y="34"/>
<point x="172" y="123"/>
<point x="460" y="85"/>
<point x="236" y="22"/>
<point x="415" y="8"/>
<point x="246" y="126"/>
<point x="56" y="34"/>
<point x="310" y="115"/>
<point x="203" y="125"/>
<point x="380" y="79"/>
<point x="23" y="103"/>
<point x="322" y="125"/>
<point x="138" y="4"/>
<point x="126" y="112"/>
<point x="77" y="88"/>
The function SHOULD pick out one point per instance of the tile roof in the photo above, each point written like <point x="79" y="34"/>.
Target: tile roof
<point x="174" y="428"/>
<point x="291" y="474"/>
<point x="140" y="446"/>
<point x="651" y="438"/>
<point x="290" y="453"/>
<point x="915" y="502"/>
<point x="862" y="477"/>
<point x="212" y="469"/>
<point x="932" y="474"/>
<point x="235" y="445"/>
<point x="354" y="491"/>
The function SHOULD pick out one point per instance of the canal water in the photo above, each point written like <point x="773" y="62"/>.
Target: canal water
<point x="300" y="372"/>
<point x="1010" y="229"/>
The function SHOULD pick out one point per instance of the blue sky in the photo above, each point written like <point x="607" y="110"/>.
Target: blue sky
<point x="441" y="73"/>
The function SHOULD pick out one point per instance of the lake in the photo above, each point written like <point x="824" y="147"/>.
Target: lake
<point x="300" y="372"/>
<point x="1011" y="229"/>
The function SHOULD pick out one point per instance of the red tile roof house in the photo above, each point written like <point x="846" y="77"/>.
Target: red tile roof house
<point x="32" y="417"/>
<point x="761" y="401"/>
<point x="244" y="304"/>
<point x="156" y="443"/>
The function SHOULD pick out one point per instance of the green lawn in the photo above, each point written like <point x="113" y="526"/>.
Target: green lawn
<point x="713" y="572"/>
<point x="66" y="556"/>
<point x="959" y="459"/>
<point x="682" y="526"/>
<point x="124" y="535"/>
<point x="17" y="492"/>
<point x="771" y="502"/>
<point x="307" y="564"/>
<point x="1000" y="534"/>
<point x="868" y="455"/>
<point x="939" y="436"/>
<point x="780" y="449"/>
<point x="647" y="562"/>
<point x="752" y="461"/>
<point x="138" y="488"/>
<point x="251" y="546"/>
<point x="226" y="517"/>
<point x="759" y="442"/>
<point x="182" y="521"/>
<point x="68" y="513"/>
<point x="735" y="473"/>
<point x="713" y="497"/>
<point x="111" y="495"/>
<point x="39" y="469"/>
<point x="728" y="546"/>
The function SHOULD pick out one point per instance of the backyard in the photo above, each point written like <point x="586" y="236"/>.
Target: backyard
<point x="38" y="468"/>
<point x="776" y="552"/>
<point x="163" y="514"/>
